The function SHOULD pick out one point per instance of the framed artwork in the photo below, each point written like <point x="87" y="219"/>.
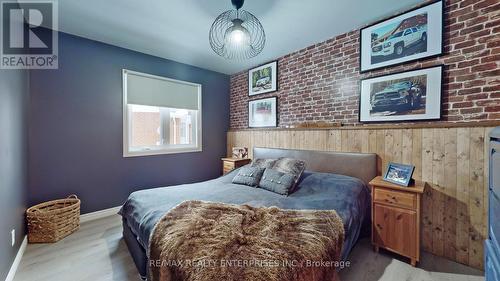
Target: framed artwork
<point x="404" y="96"/>
<point x="263" y="79"/>
<point x="240" y="152"/>
<point x="413" y="35"/>
<point x="399" y="173"/>
<point x="262" y="113"/>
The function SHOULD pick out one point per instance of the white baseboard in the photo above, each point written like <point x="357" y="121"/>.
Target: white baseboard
<point x="17" y="260"/>
<point x="99" y="214"/>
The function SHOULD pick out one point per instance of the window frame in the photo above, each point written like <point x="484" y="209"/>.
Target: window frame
<point x="163" y="149"/>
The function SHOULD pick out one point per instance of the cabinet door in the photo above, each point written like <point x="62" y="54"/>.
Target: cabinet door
<point x="395" y="229"/>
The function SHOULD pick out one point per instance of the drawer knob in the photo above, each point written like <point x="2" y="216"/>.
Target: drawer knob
<point x="391" y="199"/>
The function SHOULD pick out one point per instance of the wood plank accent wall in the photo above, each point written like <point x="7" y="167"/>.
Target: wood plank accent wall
<point x="452" y="160"/>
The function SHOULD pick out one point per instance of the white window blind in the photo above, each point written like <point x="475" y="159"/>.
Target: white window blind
<point x="160" y="115"/>
<point x="145" y="89"/>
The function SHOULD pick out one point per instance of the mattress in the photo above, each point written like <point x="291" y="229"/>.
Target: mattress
<point x="320" y="191"/>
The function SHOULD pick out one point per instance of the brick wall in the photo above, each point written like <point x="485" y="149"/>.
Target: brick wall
<point x="145" y="128"/>
<point x="320" y="82"/>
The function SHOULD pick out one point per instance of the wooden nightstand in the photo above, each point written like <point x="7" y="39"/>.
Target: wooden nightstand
<point x="396" y="217"/>
<point x="229" y="164"/>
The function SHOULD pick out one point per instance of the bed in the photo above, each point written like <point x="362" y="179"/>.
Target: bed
<point x="332" y="180"/>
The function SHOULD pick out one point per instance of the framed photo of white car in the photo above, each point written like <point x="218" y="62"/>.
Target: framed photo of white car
<point x="413" y="35"/>
<point x="263" y="79"/>
<point x="263" y="113"/>
<point x="405" y="96"/>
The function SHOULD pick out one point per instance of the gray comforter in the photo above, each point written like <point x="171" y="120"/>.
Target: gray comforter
<point x="347" y="195"/>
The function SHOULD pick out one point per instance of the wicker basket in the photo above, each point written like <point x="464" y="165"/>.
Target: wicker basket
<point x="51" y="221"/>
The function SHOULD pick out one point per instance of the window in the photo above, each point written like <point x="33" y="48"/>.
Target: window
<point x="395" y="35"/>
<point x="160" y="115"/>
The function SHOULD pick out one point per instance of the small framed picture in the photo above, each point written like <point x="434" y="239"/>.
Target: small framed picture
<point x="240" y="152"/>
<point x="263" y="79"/>
<point x="405" y="96"/>
<point x="399" y="173"/>
<point x="413" y="35"/>
<point x="262" y="113"/>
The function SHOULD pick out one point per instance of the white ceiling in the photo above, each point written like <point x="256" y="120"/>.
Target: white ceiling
<point x="178" y="29"/>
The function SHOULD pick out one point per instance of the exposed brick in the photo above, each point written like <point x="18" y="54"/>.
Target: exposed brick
<point x="492" y="89"/>
<point x="493" y="58"/>
<point x="492" y="8"/>
<point x="488" y="103"/>
<point x="492" y="23"/>
<point x="462" y="104"/>
<point x="465" y="31"/>
<point x="477" y="96"/>
<point x="468" y="63"/>
<point x="473" y="49"/>
<point x="493" y="109"/>
<point x="321" y="82"/>
<point x="483" y="67"/>
<point x="471" y="110"/>
<point x="469" y="91"/>
<point x="465" y="44"/>
<point x="484" y="4"/>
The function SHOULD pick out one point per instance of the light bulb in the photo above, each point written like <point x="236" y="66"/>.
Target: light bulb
<point x="237" y="36"/>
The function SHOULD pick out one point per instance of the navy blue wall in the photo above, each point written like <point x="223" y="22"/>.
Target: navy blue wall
<point x="76" y="127"/>
<point x="14" y="98"/>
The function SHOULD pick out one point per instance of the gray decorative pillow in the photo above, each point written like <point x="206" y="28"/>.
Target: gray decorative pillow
<point x="263" y="163"/>
<point x="277" y="181"/>
<point x="290" y="166"/>
<point x="248" y="175"/>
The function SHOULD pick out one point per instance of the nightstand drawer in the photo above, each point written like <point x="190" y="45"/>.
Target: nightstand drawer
<point x="229" y="164"/>
<point x="396" y="198"/>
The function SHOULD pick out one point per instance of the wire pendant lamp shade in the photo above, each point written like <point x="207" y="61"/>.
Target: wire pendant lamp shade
<point x="237" y="34"/>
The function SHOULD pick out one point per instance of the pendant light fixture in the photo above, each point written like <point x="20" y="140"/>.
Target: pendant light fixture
<point x="237" y="34"/>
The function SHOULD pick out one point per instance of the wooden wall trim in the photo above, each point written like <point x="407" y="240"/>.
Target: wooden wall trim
<point x="452" y="160"/>
<point x="491" y="123"/>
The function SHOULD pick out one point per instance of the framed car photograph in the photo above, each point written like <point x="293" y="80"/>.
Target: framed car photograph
<point x="399" y="173"/>
<point x="263" y="79"/>
<point x="405" y="96"/>
<point x="413" y="35"/>
<point x="262" y="113"/>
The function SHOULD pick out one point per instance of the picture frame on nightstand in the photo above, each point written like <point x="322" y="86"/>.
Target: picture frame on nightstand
<point x="399" y="174"/>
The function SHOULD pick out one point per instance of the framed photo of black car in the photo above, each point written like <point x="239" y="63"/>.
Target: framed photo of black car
<point x="399" y="173"/>
<point x="405" y="96"/>
<point x="263" y="79"/>
<point x="413" y="35"/>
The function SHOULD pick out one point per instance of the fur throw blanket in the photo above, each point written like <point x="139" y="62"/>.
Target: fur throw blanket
<point x="201" y="241"/>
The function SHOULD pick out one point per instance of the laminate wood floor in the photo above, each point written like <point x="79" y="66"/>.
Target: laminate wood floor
<point x="97" y="252"/>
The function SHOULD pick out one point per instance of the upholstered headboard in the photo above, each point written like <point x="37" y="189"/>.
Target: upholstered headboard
<point x="359" y="165"/>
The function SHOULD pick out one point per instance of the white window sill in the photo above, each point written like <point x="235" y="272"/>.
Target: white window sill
<point x="160" y="151"/>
